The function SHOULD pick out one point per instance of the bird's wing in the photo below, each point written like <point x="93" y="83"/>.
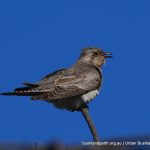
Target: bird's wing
<point x="68" y="84"/>
<point x="52" y="74"/>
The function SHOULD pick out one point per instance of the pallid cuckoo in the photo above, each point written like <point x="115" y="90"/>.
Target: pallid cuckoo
<point x="70" y="88"/>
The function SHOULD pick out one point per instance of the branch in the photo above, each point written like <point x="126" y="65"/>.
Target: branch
<point x="85" y="113"/>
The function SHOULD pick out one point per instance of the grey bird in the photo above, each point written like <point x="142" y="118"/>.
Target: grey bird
<point x="71" y="88"/>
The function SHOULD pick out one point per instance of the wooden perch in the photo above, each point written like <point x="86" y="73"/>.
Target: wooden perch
<point x="85" y="113"/>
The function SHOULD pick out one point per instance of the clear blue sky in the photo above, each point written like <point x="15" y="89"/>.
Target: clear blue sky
<point x="39" y="37"/>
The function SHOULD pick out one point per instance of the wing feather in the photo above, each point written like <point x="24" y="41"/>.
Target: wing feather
<point x="69" y="85"/>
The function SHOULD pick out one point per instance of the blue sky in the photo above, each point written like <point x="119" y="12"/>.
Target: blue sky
<point x="39" y="37"/>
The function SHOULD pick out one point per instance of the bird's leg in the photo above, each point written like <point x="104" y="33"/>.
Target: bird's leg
<point x="85" y="113"/>
<point x="84" y="105"/>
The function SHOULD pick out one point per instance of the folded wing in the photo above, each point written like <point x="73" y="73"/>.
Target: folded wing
<point x="67" y="85"/>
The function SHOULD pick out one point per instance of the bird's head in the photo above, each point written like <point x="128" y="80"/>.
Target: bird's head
<point x="94" y="56"/>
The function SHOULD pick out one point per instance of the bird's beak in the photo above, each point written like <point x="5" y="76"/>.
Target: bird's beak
<point x="108" y="55"/>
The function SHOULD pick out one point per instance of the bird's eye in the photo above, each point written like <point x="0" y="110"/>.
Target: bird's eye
<point x="96" y="54"/>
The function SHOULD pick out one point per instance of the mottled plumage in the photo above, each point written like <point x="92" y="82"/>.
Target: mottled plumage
<point x="69" y="88"/>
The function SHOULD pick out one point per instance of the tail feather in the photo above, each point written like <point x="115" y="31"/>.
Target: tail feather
<point x="22" y="89"/>
<point x="30" y="84"/>
<point x="23" y="93"/>
<point x="8" y="93"/>
<point x="29" y="90"/>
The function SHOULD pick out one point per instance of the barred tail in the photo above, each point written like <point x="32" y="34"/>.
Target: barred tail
<point x="8" y="93"/>
<point x="30" y="90"/>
